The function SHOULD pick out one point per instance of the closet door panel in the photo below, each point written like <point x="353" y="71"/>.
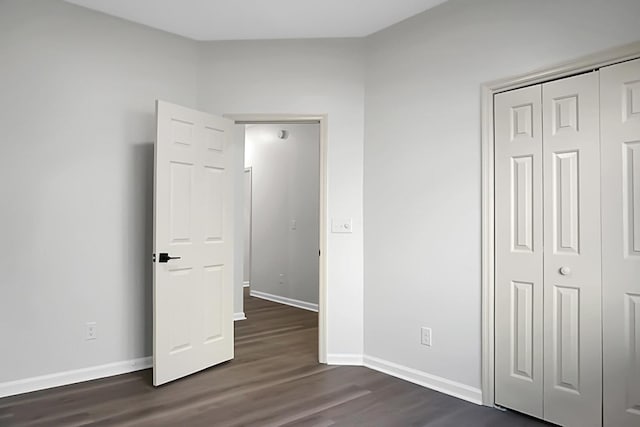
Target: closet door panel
<point x="620" y="103"/>
<point x="518" y="225"/>
<point x="572" y="276"/>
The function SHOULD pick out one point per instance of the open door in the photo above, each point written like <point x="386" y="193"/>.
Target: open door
<point x="193" y="244"/>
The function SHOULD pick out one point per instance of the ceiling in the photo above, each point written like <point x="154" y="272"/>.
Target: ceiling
<point x="263" y="19"/>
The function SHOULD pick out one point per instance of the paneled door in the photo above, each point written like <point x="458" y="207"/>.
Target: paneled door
<point x="518" y="243"/>
<point x="620" y="100"/>
<point x="548" y="251"/>
<point x="193" y="245"/>
<point x="572" y="252"/>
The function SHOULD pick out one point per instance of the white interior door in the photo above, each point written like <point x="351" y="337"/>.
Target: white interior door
<point x="572" y="252"/>
<point x="620" y="100"/>
<point x="193" y="224"/>
<point x="518" y="246"/>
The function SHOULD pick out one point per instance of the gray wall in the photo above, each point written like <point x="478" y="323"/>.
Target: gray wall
<point x="422" y="161"/>
<point x="77" y="93"/>
<point x="285" y="188"/>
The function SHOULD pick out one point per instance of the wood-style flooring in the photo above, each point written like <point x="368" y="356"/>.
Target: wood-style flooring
<point x="274" y="380"/>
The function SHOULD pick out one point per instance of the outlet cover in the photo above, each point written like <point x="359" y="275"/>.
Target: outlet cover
<point x="91" y="331"/>
<point x="425" y="338"/>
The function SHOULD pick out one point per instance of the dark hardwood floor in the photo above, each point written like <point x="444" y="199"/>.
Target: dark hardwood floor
<point x="274" y="380"/>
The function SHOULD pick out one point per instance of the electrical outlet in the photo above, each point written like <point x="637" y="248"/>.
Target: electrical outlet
<point x="425" y="338"/>
<point x="91" y="331"/>
<point x="281" y="279"/>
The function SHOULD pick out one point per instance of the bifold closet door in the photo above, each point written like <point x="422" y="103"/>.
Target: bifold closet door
<point x="572" y="252"/>
<point x="620" y="101"/>
<point x="518" y="250"/>
<point x="548" y="349"/>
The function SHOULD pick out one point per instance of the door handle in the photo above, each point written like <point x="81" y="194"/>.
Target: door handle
<point x="164" y="257"/>
<point x="565" y="271"/>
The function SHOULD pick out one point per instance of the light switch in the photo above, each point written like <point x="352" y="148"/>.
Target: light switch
<point x="342" y="225"/>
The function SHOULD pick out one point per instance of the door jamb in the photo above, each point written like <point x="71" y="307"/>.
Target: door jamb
<point x="246" y="284"/>
<point x="322" y="283"/>
<point x="488" y="90"/>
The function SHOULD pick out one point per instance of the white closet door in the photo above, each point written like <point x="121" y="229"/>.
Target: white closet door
<point x="572" y="258"/>
<point x="518" y="233"/>
<point x="620" y="103"/>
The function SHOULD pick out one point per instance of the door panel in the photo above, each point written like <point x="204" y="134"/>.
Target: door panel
<point x="566" y="338"/>
<point x="631" y="197"/>
<point x="518" y="213"/>
<point x="565" y="206"/>
<point x="620" y="98"/>
<point x="572" y="254"/>
<point x="193" y="298"/>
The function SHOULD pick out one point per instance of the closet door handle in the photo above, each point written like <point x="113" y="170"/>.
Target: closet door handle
<point x="565" y="271"/>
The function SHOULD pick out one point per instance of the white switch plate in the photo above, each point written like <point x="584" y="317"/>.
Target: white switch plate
<point x="425" y="338"/>
<point x="294" y="224"/>
<point x="342" y="225"/>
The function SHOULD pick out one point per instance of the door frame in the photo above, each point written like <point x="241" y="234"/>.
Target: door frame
<point x="246" y="284"/>
<point x="320" y="119"/>
<point x="488" y="90"/>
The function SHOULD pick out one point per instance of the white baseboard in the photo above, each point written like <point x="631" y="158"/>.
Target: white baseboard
<point x="443" y="385"/>
<point x="283" y="300"/>
<point x="26" y="385"/>
<point x="246" y="284"/>
<point x="239" y="316"/>
<point x="345" y="359"/>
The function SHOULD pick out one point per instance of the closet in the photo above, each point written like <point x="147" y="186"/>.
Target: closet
<point x="567" y="248"/>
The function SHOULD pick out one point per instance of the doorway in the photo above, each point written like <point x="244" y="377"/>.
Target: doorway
<point x="285" y="124"/>
<point x="284" y="230"/>
<point x="197" y="197"/>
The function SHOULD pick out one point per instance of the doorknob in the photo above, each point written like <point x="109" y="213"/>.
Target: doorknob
<point x="565" y="271"/>
<point x="164" y="257"/>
